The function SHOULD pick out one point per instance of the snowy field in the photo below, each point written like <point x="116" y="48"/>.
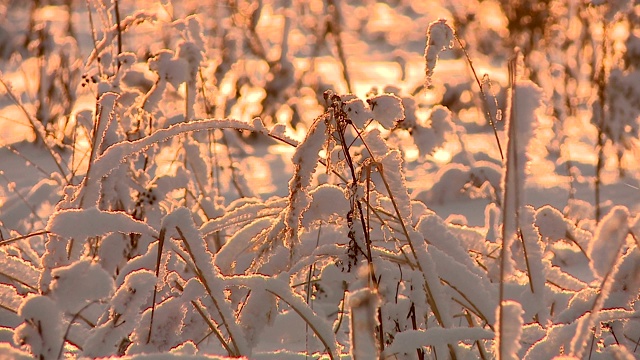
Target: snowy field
<point x="295" y="179"/>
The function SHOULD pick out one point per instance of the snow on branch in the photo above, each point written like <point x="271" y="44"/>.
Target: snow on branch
<point x="90" y="222"/>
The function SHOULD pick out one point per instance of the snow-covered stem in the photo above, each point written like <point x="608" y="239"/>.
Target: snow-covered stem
<point x="42" y="327"/>
<point x="510" y="206"/>
<point x="161" y="239"/>
<point x="363" y="304"/>
<point x="479" y="343"/>
<point x="354" y="181"/>
<point x="440" y="37"/>
<point x="75" y="317"/>
<point x="535" y="263"/>
<point x="193" y="250"/>
<point x="411" y="339"/>
<point x="374" y="280"/>
<point x="122" y="151"/>
<point x="104" y="115"/>
<point x="401" y="219"/>
<point x="509" y="330"/>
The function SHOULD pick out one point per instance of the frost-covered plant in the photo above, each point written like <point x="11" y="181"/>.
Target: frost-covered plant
<point x="157" y="244"/>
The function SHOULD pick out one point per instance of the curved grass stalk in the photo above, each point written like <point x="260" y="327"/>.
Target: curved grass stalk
<point x="203" y="280"/>
<point x="473" y="308"/>
<point x="214" y="329"/>
<point x="283" y="291"/>
<point x="328" y="347"/>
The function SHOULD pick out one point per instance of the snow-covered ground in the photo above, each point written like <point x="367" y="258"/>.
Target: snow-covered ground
<point x="295" y="179"/>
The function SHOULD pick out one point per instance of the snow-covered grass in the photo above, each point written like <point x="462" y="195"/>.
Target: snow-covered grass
<point x="196" y="181"/>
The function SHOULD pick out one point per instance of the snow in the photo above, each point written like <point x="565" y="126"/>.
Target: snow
<point x="24" y="204"/>
<point x="387" y="109"/>
<point x="293" y="180"/>
<point x="10" y="300"/>
<point x="464" y="281"/>
<point x="237" y="244"/>
<point x="259" y="312"/>
<point x="363" y="304"/>
<point x="12" y="353"/>
<point x="326" y="201"/>
<point x="358" y="112"/>
<point x="79" y="284"/>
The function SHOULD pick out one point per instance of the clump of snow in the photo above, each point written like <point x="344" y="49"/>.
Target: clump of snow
<point x="358" y="112"/>
<point x="42" y="329"/>
<point x="279" y="286"/>
<point x="509" y="329"/>
<point x="84" y="223"/>
<point x="79" y="284"/>
<point x="12" y="353"/>
<point x="390" y="169"/>
<point x="608" y="240"/>
<point x="17" y="271"/>
<point x="387" y="109"/>
<point x="326" y="201"/>
<point x="439" y="38"/>
<point x="551" y="223"/>
<point x="259" y="312"/>
<point x="170" y="68"/>
<point x="432" y="135"/>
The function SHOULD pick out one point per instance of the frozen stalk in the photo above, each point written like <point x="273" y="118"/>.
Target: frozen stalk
<point x="364" y="304"/>
<point x="508" y="344"/>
